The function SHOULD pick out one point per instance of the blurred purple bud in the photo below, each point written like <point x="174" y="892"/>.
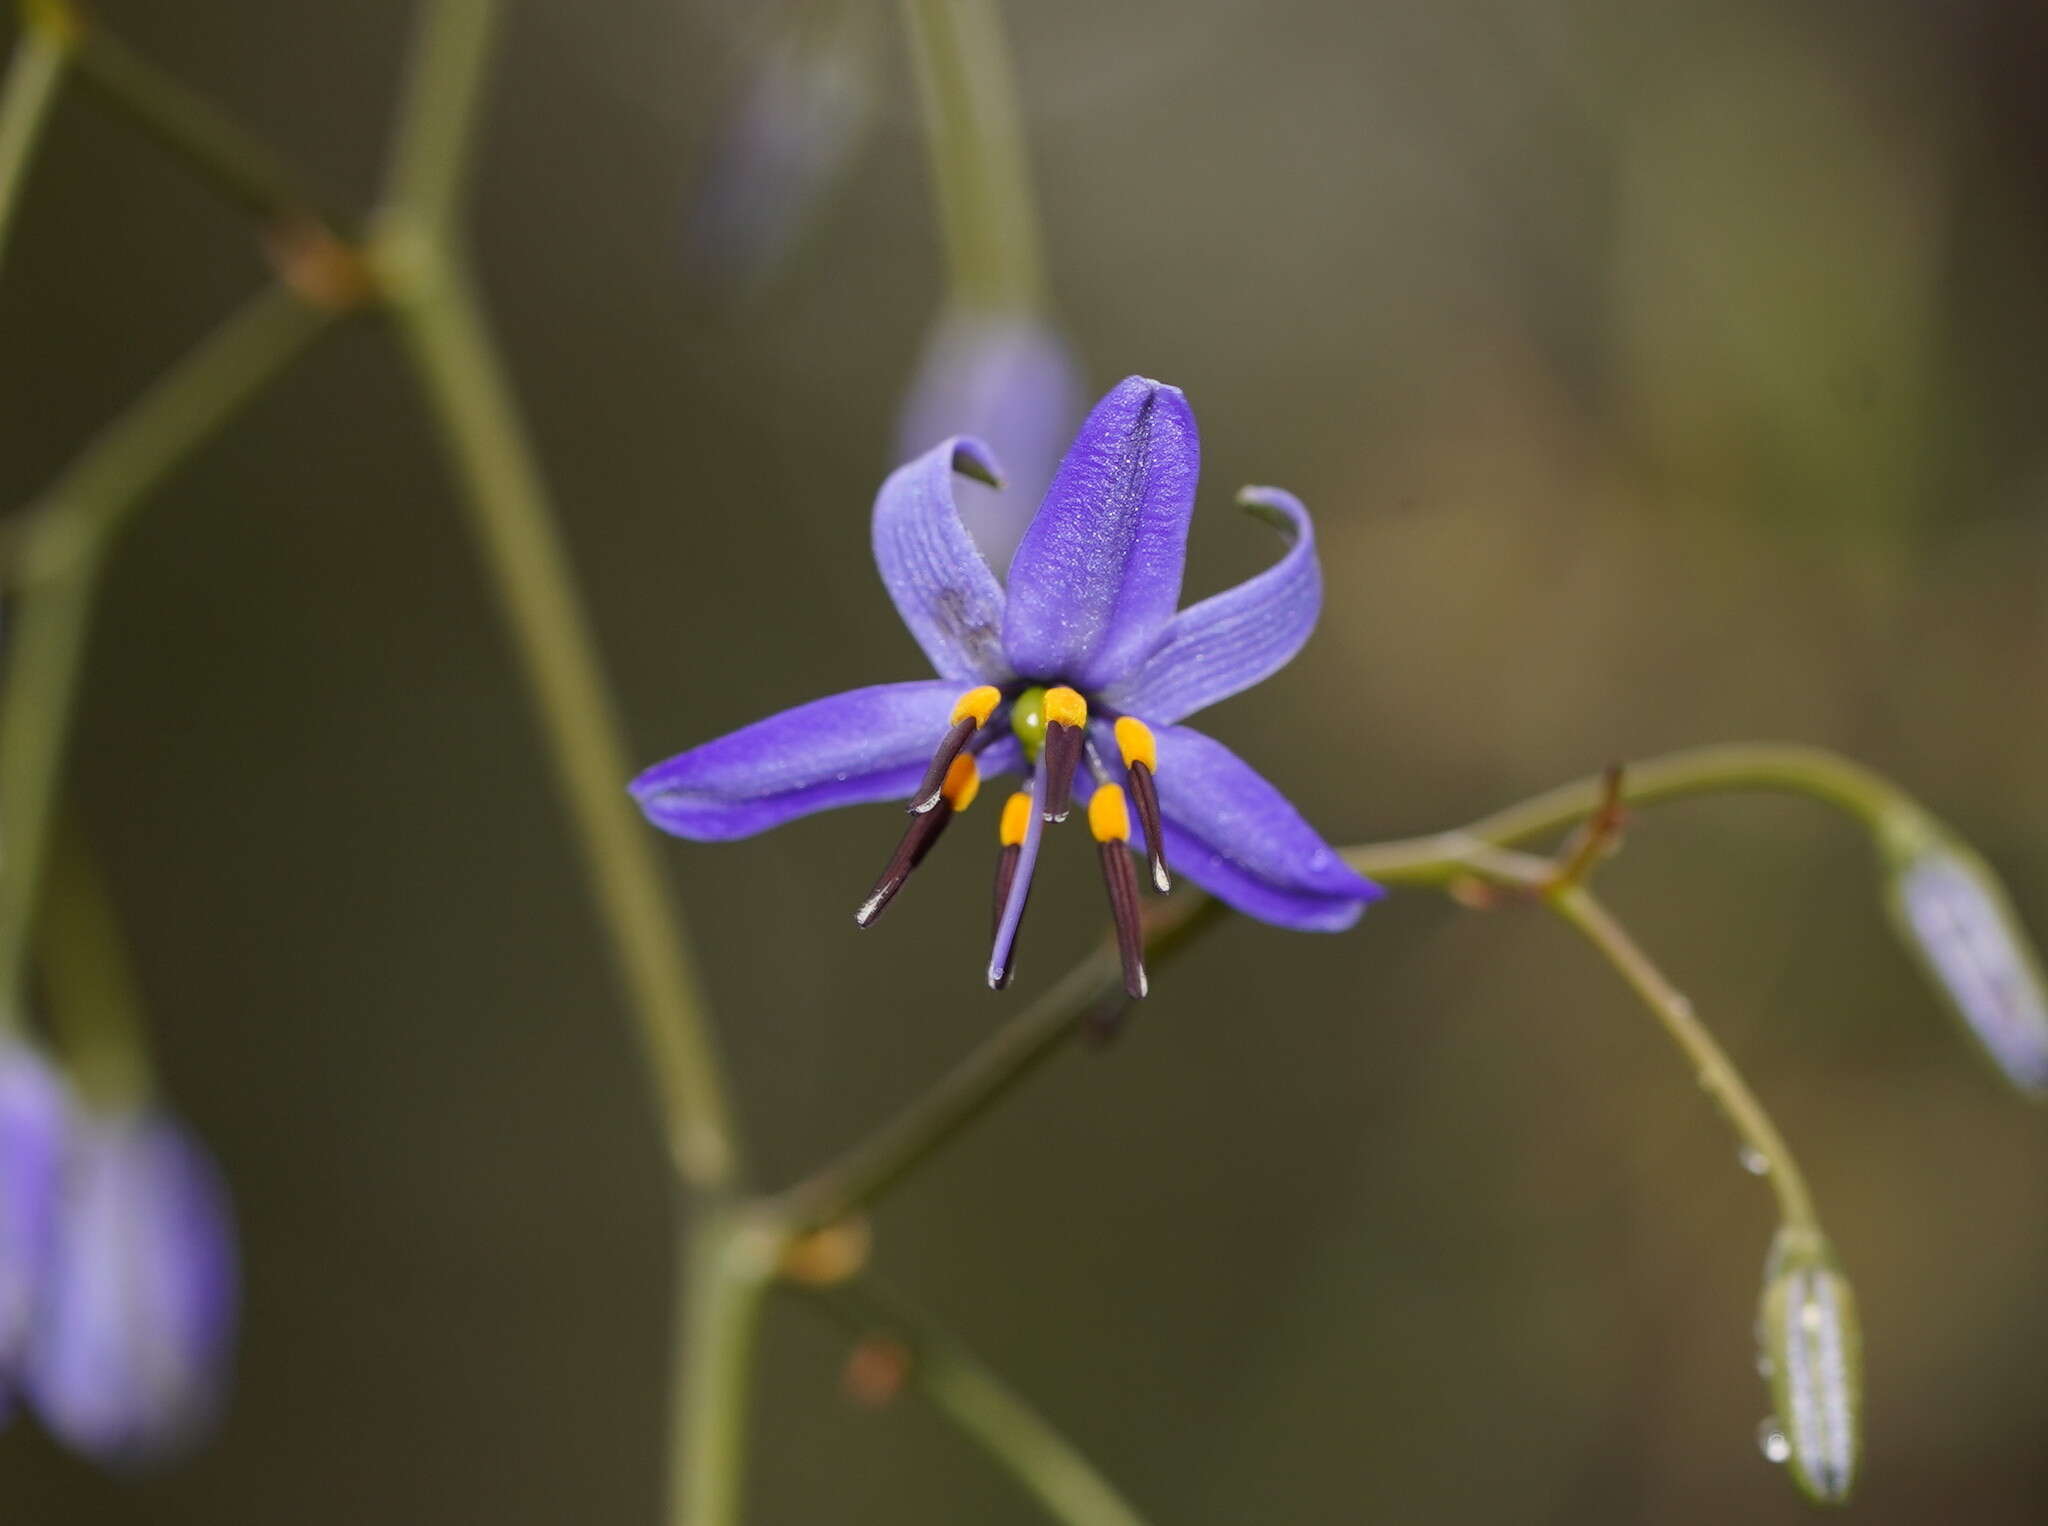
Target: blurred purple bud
<point x="790" y="128"/>
<point x="1007" y="379"/>
<point x="35" y="1115"/>
<point x="1812" y="1354"/>
<point x="129" y="1357"/>
<point x="1956" y="919"/>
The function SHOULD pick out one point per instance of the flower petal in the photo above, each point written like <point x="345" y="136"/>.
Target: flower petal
<point x="1224" y="645"/>
<point x="1097" y="577"/>
<point x="1009" y="379"/>
<point x="35" y="1121"/>
<point x="1240" y="839"/>
<point x="943" y="589"/>
<point x="847" y="749"/>
<point x="129" y="1358"/>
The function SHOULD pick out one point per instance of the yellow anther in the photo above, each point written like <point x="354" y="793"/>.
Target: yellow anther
<point x="963" y="783"/>
<point x="1016" y="819"/>
<point x="1109" y="818"/>
<point x="976" y="705"/>
<point x="1135" y="740"/>
<point x="1065" y="707"/>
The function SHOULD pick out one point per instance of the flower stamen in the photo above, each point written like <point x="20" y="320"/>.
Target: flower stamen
<point x="970" y="713"/>
<point x="1109" y="818"/>
<point x="1018" y="874"/>
<point x="956" y="793"/>
<point x="1010" y="832"/>
<point x="1066" y="721"/>
<point x="1140" y="750"/>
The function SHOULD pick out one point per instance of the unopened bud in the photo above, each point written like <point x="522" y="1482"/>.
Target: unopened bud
<point x="1812" y="1353"/>
<point x="1955" y="917"/>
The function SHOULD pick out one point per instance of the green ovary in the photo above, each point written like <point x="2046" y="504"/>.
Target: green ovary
<point x="1027" y="720"/>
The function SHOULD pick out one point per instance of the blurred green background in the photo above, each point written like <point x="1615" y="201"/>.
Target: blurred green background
<point x="1657" y="374"/>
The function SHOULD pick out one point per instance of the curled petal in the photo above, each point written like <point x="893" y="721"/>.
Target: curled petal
<point x="35" y="1118"/>
<point x="847" y="749"/>
<point x="1240" y="839"/>
<point x="943" y="589"/>
<point x="129" y="1358"/>
<point x="1009" y="379"/>
<point x="1097" y="577"/>
<point x="1224" y="645"/>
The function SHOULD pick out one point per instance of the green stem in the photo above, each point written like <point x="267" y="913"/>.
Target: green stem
<point x="988" y="1411"/>
<point x="30" y="90"/>
<point x="516" y="530"/>
<point x="90" y="985"/>
<point x="442" y="319"/>
<point x="1716" y="1072"/>
<point x="1779" y="766"/>
<point x="234" y="160"/>
<point x="61" y="562"/>
<point x="976" y="144"/>
<point x="435" y="144"/>
<point x="725" y="1267"/>
<point x="978" y="1082"/>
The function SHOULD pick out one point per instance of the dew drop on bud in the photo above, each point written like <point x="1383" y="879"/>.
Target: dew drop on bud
<point x="1956" y="920"/>
<point x="1772" y="1441"/>
<point x="1810" y="1353"/>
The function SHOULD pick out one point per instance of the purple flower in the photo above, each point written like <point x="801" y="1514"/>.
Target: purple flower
<point x="1008" y="379"/>
<point x="1080" y="671"/>
<point x="35" y="1117"/>
<point x="129" y="1357"/>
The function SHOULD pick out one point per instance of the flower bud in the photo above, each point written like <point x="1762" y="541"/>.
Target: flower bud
<point x="1007" y="379"/>
<point x="1812" y="1353"/>
<point x="786" y="136"/>
<point x="1954" y="916"/>
<point x="129" y="1356"/>
<point x="35" y="1115"/>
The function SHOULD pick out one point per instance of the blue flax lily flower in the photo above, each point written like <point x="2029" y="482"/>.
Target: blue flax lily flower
<point x="1082" y="670"/>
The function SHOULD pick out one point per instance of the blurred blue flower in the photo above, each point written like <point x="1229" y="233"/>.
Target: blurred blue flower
<point x="35" y="1116"/>
<point x="787" y="134"/>
<point x="1008" y="379"/>
<point x="1082" y="659"/>
<point x="129" y="1356"/>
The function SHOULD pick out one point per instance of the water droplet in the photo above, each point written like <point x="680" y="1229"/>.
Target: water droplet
<point x="1754" y="1161"/>
<point x="1772" y="1441"/>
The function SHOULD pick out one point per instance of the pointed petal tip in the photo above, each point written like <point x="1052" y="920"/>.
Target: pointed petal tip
<point x="973" y="458"/>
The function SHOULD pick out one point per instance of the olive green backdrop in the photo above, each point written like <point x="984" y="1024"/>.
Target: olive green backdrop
<point x="1657" y="374"/>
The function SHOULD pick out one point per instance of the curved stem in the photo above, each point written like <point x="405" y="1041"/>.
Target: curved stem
<point x="30" y="90"/>
<point x="1717" y="1073"/>
<point x="58" y="574"/>
<point x="976" y="144"/>
<point x="875" y="1164"/>
<point x="1780" y="766"/>
<point x="987" y="1410"/>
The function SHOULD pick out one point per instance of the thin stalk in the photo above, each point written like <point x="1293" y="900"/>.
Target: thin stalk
<point x="229" y="156"/>
<point x="58" y="574"/>
<point x="30" y="90"/>
<point x="442" y="320"/>
<point x="1776" y="766"/>
<point x="89" y="981"/>
<point x="987" y="1410"/>
<point x="976" y="143"/>
<point x="435" y="145"/>
<point x="724" y="1269"/>
<point x="1717" y="1073"/>
<point x="516" y="531"/>
<point x="981" y="1080"/>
